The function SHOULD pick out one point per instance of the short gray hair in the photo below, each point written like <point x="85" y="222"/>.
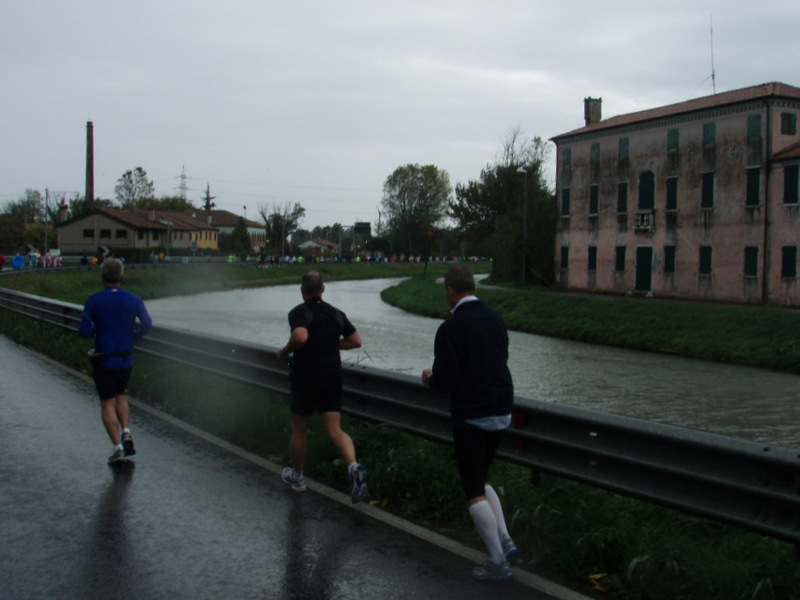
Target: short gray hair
<point x="111" y="270"/>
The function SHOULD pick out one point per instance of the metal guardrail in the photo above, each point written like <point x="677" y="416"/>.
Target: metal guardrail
<point x="752" y="485"/>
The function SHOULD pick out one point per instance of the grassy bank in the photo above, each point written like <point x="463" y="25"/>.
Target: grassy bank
<point x="176" y="280"/>
<point x="755" y="336"/>
<point x="587" y="537"/>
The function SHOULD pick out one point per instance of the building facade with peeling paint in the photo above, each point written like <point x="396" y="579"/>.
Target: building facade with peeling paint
<point x="695" y="200"/>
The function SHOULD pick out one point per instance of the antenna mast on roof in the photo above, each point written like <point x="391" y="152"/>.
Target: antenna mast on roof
<point x="713" y="74"/>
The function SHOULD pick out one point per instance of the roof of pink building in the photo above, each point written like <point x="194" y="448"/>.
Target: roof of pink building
<point x="789" y="152"/>
<point x="748" y="94"/>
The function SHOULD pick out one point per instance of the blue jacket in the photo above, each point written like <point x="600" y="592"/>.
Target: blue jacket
<point x="470" y="362"/>
<point x="111" y="317"/>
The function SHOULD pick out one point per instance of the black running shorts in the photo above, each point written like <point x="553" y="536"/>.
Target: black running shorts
<point x="321" y="390"/>
<point x="474" y="448"/>
<point x="111" y="382"/>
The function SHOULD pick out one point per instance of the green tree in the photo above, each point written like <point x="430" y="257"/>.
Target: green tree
<point x="490" y="213"/>
<point x="12" y="233"/>
<point x="27" y="209"/>
<point x="415" y="200"/>
<point x="281" y="222"/>
<point x="165" y="203"/>
<point x="34" y="235"/>
<point x="332" y="233"/>
<point x="300" y="236"/>
<point x="240" y="239"/>
<point x="207" y="199"/>
<point x="132" y="187"/>
<point x="78" y="205"/>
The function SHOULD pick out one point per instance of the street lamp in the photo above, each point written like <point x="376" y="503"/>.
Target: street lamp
<point x="524" y="171"/>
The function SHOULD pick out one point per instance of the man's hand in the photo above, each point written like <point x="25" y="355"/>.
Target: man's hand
<point x="426" y="375"/>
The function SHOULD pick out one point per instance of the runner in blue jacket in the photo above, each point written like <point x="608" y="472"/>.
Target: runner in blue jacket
<point x="116" y="319"/>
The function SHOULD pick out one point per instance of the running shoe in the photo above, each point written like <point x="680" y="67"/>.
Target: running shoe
<point x="510" y="550"/>
<point x="489" y="571"/>
<point x="297" y="482"/>
<point x="358" y="483"/>
<point x="127" y="444"/>
<point x="117" y="456"/>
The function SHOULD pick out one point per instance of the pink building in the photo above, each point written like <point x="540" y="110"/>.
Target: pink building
<point x="696" y="200"/>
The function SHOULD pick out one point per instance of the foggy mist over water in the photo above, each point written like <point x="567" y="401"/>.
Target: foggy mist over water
<point x="741" y="401"/>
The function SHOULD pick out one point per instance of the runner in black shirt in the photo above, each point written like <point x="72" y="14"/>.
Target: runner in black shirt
<point x="319" y="332"/>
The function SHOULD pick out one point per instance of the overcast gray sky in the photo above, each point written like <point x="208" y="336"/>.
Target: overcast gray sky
<point x="318" y="102"/>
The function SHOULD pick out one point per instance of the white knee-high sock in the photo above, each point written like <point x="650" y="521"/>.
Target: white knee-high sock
<point x="494" y="501"/>
<point x="486" y="524"/>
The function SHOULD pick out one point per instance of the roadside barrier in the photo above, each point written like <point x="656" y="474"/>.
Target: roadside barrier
<point x="745" y="483"/>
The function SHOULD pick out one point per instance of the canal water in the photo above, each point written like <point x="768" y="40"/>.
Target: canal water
<point x="741" y="401"/>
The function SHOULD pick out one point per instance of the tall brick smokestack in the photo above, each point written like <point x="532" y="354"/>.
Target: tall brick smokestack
<point x="89" y="165"/>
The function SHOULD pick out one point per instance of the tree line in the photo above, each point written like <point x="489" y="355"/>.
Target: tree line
<point x="508" y="214"/>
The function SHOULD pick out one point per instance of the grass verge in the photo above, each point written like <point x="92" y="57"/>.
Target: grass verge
<point x="755" y="336"/>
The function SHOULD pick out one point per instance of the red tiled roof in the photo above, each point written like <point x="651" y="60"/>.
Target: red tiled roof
<point x="790" y="152"/>
<point x="748" y="94"/>
<point x="222" y="218"/>
<point x="190" y="220"/>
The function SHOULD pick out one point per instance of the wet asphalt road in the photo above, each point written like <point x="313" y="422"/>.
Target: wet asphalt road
<point x="188" y="519"/>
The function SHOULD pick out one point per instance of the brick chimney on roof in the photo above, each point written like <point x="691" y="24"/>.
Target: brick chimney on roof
<point x="89" y="165"/>
<point x="592" y="110"/>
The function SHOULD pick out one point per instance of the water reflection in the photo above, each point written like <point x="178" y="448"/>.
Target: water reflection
<point x="313" y="565"/>
<point x="741" y="401"/>
<point x="110" y="562"/>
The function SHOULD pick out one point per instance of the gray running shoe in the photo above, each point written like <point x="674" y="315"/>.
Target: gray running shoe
<point x="127" y="444"/>
<point x="489" y="571"/>
<point x="358" y="484"/>
<point x="510" y="550"/>
<point x="117" y="456"/>
<point x="297" y="482"/>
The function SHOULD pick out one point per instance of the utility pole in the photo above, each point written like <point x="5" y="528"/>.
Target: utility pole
<point x="524" y="171"/>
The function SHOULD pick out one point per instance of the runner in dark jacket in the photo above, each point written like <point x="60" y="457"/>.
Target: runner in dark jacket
<point x="470" y="363"/>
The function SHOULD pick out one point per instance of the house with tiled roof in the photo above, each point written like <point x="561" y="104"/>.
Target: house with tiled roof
<point x="133" y="229"/>
<point x="694" y="200"/>
<point x="319" y="246"/>
<point x="225" y="221"/>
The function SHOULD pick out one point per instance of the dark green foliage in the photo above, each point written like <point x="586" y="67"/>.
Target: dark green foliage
<point x="240" y="240"/>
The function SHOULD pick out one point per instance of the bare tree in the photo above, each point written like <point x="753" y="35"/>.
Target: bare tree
<point x="521" y="151"/>
<point x="281" y="222"/>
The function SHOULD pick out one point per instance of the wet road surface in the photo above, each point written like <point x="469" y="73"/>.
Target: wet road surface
<point x="190" y="518"/>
